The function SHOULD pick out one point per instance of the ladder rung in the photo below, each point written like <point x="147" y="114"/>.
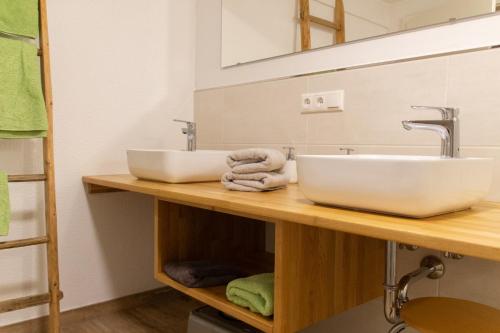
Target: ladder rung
<point x="25" y="302"/>
<point x="27" y="178"/>
<point x="323" y="22"/>
<point x="23" y="242"/>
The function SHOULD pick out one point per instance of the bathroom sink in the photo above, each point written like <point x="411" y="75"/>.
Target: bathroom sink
<point x="414" y="186"/>
<point x="177" y="166"/>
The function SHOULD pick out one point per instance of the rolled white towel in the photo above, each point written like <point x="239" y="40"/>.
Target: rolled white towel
<point x="255" y="182"/>
<point x="256" y="160"/>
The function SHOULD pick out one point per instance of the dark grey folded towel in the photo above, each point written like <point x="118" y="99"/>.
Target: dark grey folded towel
<point x="201" y="274"/>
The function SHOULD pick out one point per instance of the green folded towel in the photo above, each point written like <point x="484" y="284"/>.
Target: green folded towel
<point x="254" y="292"/>
<point x="19" y="17"/>
<point x="22" y="105"/>
<point x="4" y="205"/>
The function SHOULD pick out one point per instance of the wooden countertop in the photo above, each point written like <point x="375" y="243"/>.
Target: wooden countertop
<point x="475" y="232"/>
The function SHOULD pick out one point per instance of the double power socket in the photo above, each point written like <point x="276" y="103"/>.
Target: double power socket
<point x="328" y="101"/>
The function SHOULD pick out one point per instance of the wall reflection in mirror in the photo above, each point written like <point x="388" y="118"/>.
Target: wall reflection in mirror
<point x="260" y="29"/>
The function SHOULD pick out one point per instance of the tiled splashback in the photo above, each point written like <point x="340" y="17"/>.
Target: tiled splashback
<point x="377" y="99"/>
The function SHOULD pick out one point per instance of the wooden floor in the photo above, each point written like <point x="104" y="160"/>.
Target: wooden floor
<point x="164" y="311"/>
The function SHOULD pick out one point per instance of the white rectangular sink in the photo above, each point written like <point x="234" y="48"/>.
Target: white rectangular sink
<point x="177" y="166"/>
<point x="413" y="186"/>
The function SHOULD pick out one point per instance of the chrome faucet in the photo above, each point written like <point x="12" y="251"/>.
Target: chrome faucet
<point x="448" y="128"/>
<point x="190" y="131"/>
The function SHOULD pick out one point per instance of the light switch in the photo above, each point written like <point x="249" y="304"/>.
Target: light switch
<point x="327" y="101"/>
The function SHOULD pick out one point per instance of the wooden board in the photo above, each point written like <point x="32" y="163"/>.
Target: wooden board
<point x="474" y="232"/>
<point x="320" y="273"/>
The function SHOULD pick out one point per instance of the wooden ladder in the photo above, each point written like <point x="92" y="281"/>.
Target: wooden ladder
<point x="53" y="295"/>
<point x="306" y="19"/>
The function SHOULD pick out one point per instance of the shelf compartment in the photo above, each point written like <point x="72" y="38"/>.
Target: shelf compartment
<point x="216" y="298"/>
<point x="185" y="233"/>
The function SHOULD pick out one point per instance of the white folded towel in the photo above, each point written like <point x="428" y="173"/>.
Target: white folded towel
<point x="255" y="182"/>
<point x="256" y="160"/>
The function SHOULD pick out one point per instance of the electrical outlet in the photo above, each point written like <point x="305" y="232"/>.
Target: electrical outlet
<point x="320" y="103"/>
<point x="328" y="101"/>
<point x="307" y="102"/>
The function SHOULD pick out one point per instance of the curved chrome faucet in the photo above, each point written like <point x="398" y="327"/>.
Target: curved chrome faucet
<point x="439" y="129"/>
<point x="448" y="128"/>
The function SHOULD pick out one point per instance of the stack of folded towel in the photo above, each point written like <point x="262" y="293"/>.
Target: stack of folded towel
<point x="255" y="293"/>
<point x="255" y="170"/>
<point x="202" y="274"/>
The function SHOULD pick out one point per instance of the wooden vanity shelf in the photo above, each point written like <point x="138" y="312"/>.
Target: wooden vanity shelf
<point x="184" y="233"/>
<point x="318" y="272"/>
<point x="327" y="260"/>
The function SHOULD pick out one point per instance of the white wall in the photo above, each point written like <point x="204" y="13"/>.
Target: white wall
<point x="121" y="71"/>
<point x="468" y="34"/>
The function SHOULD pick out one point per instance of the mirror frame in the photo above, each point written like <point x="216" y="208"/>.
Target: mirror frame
<point x="457" y="36"/>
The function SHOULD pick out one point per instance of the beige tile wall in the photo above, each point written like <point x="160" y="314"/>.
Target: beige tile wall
<point x="376" y="100"/>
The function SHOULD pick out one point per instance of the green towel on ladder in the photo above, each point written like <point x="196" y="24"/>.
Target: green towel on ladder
<point x="254" y="292"/>
<point x="4" y="204"/>
<point x="19" y="17"/>
<point x="22" y="105"/>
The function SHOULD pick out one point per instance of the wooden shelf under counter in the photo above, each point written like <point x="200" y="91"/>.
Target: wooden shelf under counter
<point x="317" y="272"/>
<point x="326" y="260"/>
<point x="184" y="233"/>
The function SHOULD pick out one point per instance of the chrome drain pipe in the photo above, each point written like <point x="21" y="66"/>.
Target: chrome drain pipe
<point x="391" y="310"/>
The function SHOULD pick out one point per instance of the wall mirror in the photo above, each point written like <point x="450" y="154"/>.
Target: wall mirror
<point x="259" y="29"/>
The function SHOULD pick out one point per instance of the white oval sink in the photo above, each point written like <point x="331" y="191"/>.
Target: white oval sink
<point x="177" y="166"/>
<point x="414" y="186"/>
